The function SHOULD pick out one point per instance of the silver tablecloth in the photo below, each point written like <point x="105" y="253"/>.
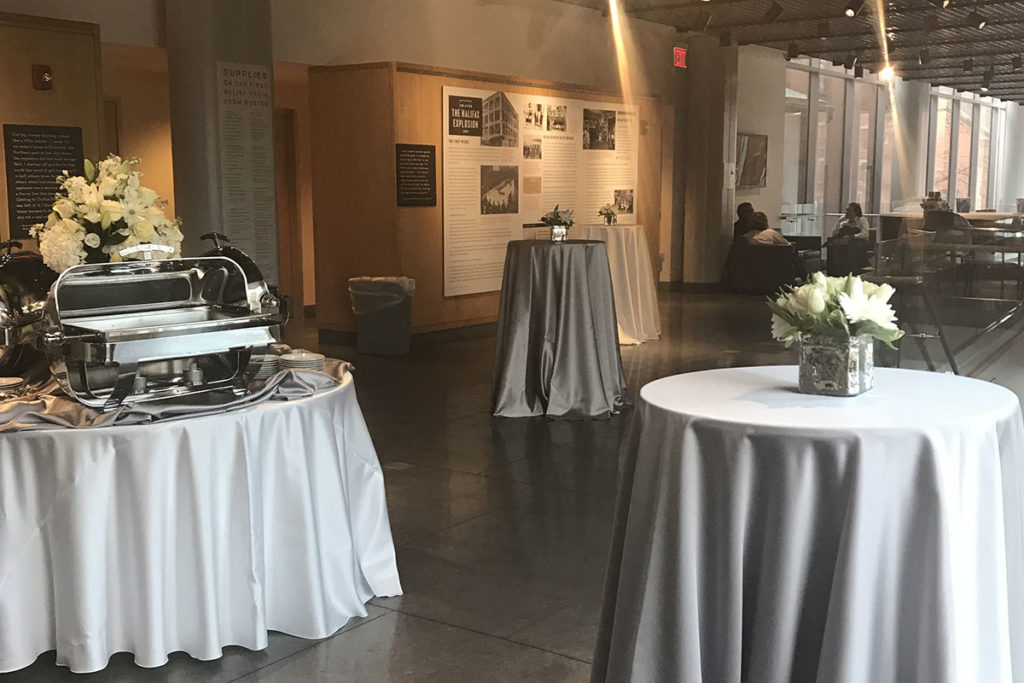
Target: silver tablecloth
<point x="557" y="350"/>
<point x="190" y="534"/>
<point x="765" y="535"/>
<point x="636" y="295"/>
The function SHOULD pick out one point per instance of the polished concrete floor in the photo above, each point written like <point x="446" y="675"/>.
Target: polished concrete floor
<point x="501" y="526"/>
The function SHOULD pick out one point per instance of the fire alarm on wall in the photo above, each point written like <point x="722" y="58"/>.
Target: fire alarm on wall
<point x="42" y="77"/>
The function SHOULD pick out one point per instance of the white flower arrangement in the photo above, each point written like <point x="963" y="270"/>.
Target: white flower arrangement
<point x="608" y="210"/>
<point x="558" y="217"/>
<point x="839" y="307"/>
<point x="106" y="210"/>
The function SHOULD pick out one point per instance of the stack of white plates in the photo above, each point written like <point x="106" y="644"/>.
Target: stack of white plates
<point x="11" y="387"/>
<point x="301" y="360"/>
<point x="268" y="366"/>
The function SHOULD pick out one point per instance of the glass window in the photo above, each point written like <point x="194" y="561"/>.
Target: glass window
<point x="863" y="172"/>
<point x="982" y="198"/>
<point x="943" y="133"/>
<point x="888" y="158"/>
<point x="794" y="151"/>
<point x="963" y="150"/>
<point x="828" y="156"/>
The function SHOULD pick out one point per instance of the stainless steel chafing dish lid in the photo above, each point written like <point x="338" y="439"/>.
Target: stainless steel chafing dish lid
<point x="24" y="285"/>
<point x="145" y="310"/>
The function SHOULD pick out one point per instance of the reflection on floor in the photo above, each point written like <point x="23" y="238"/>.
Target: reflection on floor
<point x="501" y="525"/>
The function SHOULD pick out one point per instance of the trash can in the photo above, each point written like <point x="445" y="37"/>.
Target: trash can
<point x="383" y="308"/>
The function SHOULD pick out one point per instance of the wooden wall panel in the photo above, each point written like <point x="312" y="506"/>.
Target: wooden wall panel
<point x="352" y="133"/>
<point x="72" y="49"/>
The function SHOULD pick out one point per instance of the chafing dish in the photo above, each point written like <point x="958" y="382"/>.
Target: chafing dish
<point x="142" y="330"/>
<point x="24" y="284"/>
<point x="253" y="287"/>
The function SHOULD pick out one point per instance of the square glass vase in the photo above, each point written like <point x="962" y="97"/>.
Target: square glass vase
<point x="831" y="366"/>
<point x="559" y="233"/>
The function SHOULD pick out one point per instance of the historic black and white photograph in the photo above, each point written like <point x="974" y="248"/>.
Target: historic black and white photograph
<point x="499" y="189"/>
<point x="598" y="129"/>
<point x="532" y="148"/>
<point x="501" y="122"/>
<point x="533" y="117"/>
<point x="556" y="117"/>
<point x="624" y="201"/>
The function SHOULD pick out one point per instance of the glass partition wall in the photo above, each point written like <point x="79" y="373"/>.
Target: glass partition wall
<point x="848" y="126"/>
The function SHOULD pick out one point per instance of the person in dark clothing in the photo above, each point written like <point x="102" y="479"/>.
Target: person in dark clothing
<point x="745" y="211"/>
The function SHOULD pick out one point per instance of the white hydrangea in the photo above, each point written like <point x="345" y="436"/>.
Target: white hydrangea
<point x="61" y="245"/>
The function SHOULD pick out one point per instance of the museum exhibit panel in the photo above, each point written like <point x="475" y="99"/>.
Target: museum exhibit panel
<point x="519" y="340"/>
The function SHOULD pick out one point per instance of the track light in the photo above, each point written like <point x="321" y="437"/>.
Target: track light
<point x="858" y="72"/>
<point x="824" y="31"/>
<point x="931" y="23"/>
<point x="703" y="21"/>
<point x="968" y="65"/>
<point x="724" y="39"/>
<point x="924" y="56"/>
<point x="976" y="20"/>
<point x="773" y="13"/>
<point x="793" y="51"/>
<point x="854" y="7"/>
<point x="941" y="4"/>
<point x="1017" y="63"/>
<point x="851" y="61"/>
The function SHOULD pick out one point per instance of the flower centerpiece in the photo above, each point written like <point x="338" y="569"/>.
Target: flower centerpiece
<point x="609" y="213"/>
<point x="835" y="320"/>
<point x="559" y="220"/>
<point x="106" y="210"/>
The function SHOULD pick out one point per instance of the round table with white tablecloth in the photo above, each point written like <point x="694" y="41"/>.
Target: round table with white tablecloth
<point x="190" y="534"/>
<point x="633" y="285"/>
<point x="767" y="535"/>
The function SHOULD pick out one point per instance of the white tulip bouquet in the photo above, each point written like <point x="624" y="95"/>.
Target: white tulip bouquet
<point x="97" y="215"/>
<point x="838" y="307"/>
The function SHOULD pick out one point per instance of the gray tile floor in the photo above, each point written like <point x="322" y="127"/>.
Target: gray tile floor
<point x="501" y="526"/>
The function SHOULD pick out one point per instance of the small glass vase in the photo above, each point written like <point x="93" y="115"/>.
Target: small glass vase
<point x="559" y="233"/>
<point x="610" y="219"/>
<point x="836" y="367"/>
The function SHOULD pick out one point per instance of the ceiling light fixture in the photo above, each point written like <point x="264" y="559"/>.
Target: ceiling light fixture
<point x="968" y="65"/>
<point x="924" y="56"/>
<point x="851" y="61"/>
<point x="976" y="20"/>
<point x="773" y="13"/>
<point x="824" y="31"/>
<point x="793" y="51"/>
<point x="858" y="71"/>
<point x="854" y="7"/>
<point x="1017" y="63"/>
<point x="941" y="4"/>
<point x="703" y="21"/>
<point x="887" y="73"/>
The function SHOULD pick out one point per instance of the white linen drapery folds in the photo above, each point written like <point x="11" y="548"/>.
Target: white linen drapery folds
<point x="636" y="296"/>
<point x="768" y="535"/>
<point x="192" y="534"/>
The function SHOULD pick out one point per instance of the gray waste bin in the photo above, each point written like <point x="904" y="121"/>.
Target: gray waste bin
<point x="383" y="308"/>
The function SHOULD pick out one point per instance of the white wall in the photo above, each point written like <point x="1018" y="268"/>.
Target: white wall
<point x="761" y="109"/>
<point x="1011" y="183"/>
<point x="539" y="39"/>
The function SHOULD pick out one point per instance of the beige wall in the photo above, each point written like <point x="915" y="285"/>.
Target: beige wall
<point x="359" y="230"/>
<point x="136" y="77"/>
<point x="72" y="51"/>
<point x="761" y="109"/>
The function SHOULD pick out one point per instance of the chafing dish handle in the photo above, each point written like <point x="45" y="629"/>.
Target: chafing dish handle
<point x="10" y="245"/>
<point x="217" y="237"/>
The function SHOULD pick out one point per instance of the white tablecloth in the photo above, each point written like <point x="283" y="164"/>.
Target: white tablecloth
<point x="768" y="535"/>
<point x="190" y="535"/>
<point x="636" y="296"/>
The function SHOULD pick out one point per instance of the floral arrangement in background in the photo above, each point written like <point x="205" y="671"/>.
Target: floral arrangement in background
<point x="558" y="217"/>
<point x="106" y="210"/>
<point x="838" y="307"/>
<point x="608" y="210"/>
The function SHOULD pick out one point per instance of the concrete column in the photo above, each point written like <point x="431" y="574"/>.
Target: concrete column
<point x="912" y="100"/>
<point x="710" y="143"/>
<point x="222" y="147"/>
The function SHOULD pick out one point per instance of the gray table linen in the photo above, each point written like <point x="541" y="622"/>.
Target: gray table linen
<point x="49" y="408"/>
<point x="557" y="352"/>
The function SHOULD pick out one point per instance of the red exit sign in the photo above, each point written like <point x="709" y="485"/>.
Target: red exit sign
<point x="679" y="57"/>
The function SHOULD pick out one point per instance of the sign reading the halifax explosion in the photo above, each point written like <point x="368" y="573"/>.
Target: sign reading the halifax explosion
<point x="34" y="157"/>
<point x="509" y="158"/>
<point x="245" y="107"/>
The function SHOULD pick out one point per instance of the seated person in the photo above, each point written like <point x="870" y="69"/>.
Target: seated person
<point x="745" y="211"/>
<point x="760" y="233"/>
<point x="852" y="225"/>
